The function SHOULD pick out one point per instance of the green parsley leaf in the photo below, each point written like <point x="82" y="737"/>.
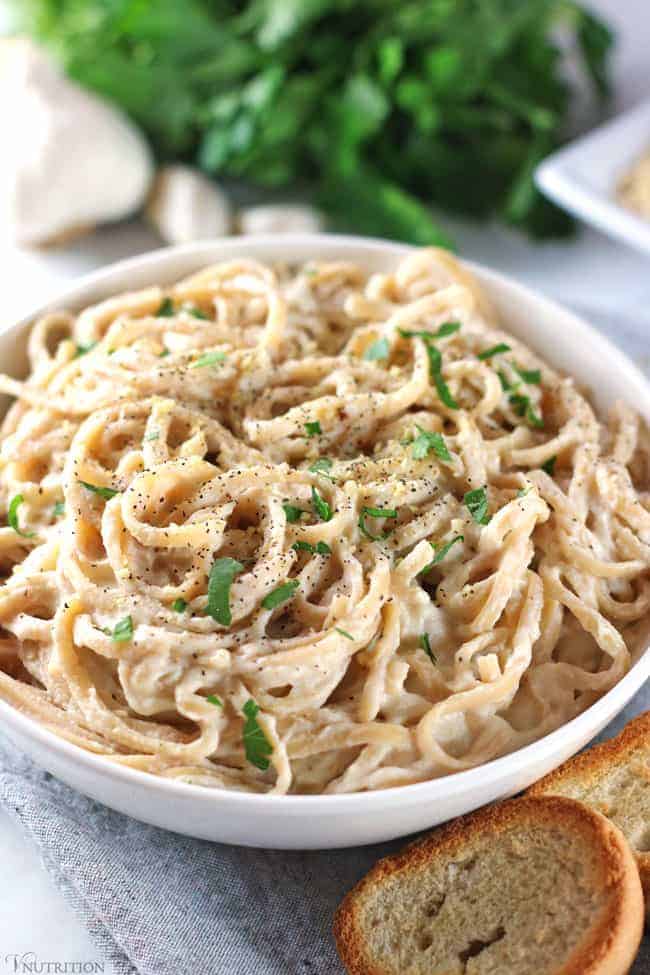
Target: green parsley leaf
<point x="256" y="745"/>
<point x="378" y="350"/>
<point x="375" y="513"/>
<point x="165" y="309"/>
<point x="427" y="441"/>
<point x="446" y="329"/>
<point x="506" y="385"/>
<point x="83" y="349"/>
<point x="12" y="516"/>
<point x="549" y="465"/>
<point x="522" y="492"/>
<point x="152" y="436"/>
<point x="313" y="428"/>
<point x="165" y="352"/>
<point x="320" y="548"/>
<point x="209" y="359"/>
<point x="179" y="605"/>
<point x="321" y="507"/>
<point x="196" y="312"/>
<point x="435" y="370"/>
<point x="321" y="466"/>
<point x="531" y="376"/>
<point x="439" y="552"/>
<point x="220" y="580"/>
<point x="123" y="630"/>
<point x="281" y="594"/>
<point x="523" y="407"/>
<point x="292" y="513"/>
<point x="103" y="492"/>
<point x="444" y="392"/>
<point x="494" y="350"/>
<point x="476" y="503"/>
<point x="59" y="509"/>
<point x="435" y="359"/>
<point x="348" y="636"/>
<point x="425" y="643"/>
<point x="213" y="699"/>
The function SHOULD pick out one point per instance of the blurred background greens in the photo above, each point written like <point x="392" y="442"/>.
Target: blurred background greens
<point x="380" y="112"/>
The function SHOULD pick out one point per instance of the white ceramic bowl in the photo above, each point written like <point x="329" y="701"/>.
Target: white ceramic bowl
<point x="582" y="177"/>
<point x="318" y="822"/>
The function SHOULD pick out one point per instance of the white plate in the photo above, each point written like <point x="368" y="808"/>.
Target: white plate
<point x="318" y="822"/>
<point x="583" y="176"/>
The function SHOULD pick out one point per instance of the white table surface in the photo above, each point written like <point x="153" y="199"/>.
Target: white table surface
<point x="591" y="272"/>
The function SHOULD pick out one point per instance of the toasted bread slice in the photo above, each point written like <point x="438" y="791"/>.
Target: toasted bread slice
<point x="614" y="778"/>
<point x="534" y="886"/>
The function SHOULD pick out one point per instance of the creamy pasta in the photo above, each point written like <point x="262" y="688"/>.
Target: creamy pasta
<point x="312" y="530"/>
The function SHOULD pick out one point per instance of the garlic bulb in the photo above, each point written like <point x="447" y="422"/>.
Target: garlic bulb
<point x="280" y="218"/>
<point x="69" y="160"/>
<point x="185" y="205"/>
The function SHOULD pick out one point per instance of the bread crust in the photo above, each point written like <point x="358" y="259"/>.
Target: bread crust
<point x="609" y="947"/>
<point x="590" y="765"/>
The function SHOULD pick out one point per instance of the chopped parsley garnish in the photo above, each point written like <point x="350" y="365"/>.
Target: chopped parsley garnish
<point x="523" y="407"/>
<point x="220" y="580"/>
<point x="348" y="636"/>
<point x="321" y="466"/>
<point x="549" y="465"/>
<point x="123" y="630"/>
<point x="82" y="349"/>
<point x="444" y="392"/>
<point x="522" y="492"/>
<point x="292" y="513"/>
<point x="375" y="513"/>
<point x="378" y="350"/>
<point x="427" y="441"/>
<point x="59" y="509"/>
<point x="161" y="355"/>
<point x="103" y="492"/>
<point x="320" y="548"/>
<point x="439" y="552"/>
<point x="476" y="503"/>
<point x="256" y="746"/>
<point x="179" y="605"/>
<point x="321" y="507"/>
<point x="281" y="594"/>
<point x="213" y="699"/>
<point x="493" y="350"/>
<point x="506" y="385"/>
<point x="313" y="429"/>
<point x="447" y="328"/>
<point x="425" y="643"/>
<point x="531" y="376"/>
<point x="152" y="436"/>
<point x="12" y="517"/>
<point x="435" y="359"/>
<point x="165" y="308"/>
<point x="209" y="359"/>
<point x="196" y="312"/>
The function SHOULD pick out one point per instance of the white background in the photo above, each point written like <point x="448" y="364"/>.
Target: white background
<point x="592" y="273"/>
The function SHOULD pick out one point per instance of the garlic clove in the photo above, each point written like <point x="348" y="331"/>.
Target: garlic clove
<point x="185" y="205"/>
<point x="69" y="159"/>
<point x="280" y="218"/>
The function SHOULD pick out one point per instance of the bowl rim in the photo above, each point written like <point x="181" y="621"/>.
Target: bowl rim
<point x="451" y="784"/>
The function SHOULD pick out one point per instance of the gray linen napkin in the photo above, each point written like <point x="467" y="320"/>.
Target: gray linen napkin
<point x="161" y="904"/>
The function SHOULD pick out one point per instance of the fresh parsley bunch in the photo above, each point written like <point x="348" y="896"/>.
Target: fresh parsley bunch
<point x="376" y="109"/>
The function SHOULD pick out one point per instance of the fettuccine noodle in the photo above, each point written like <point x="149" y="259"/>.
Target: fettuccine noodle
<point x="312" y="530"/>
